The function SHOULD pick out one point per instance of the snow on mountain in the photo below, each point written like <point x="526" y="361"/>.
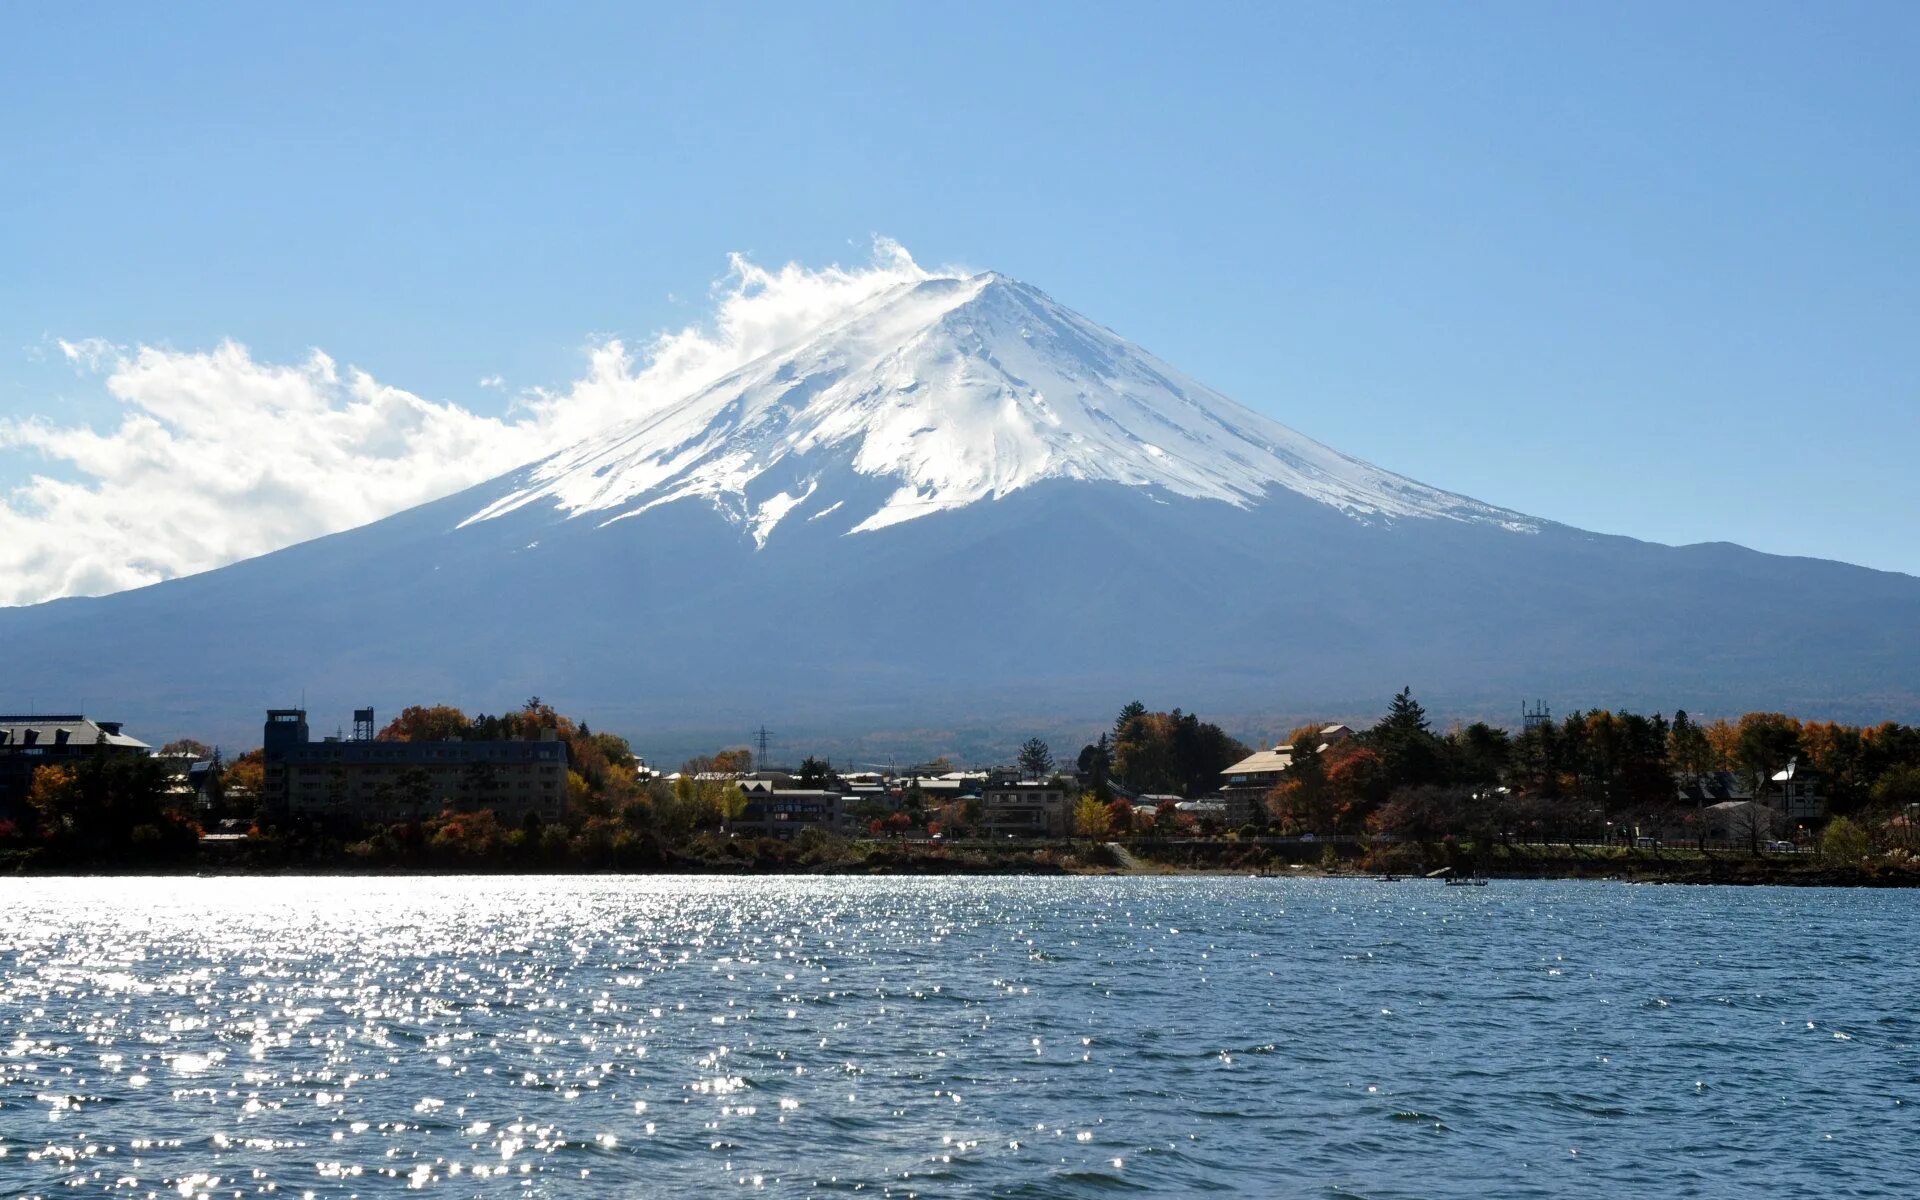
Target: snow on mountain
<point x="935" y="395"/>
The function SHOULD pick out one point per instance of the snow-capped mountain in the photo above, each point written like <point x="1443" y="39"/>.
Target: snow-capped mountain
<point x="963" y="510"/>
<point x="954" y="391"/>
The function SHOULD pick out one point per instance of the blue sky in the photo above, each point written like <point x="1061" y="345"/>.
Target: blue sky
<point x="1646" y="269"/>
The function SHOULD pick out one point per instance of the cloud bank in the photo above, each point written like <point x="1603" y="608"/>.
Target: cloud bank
<point x="220" y="456"/>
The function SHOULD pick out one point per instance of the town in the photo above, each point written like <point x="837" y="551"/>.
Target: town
<point x="534" y="789"/>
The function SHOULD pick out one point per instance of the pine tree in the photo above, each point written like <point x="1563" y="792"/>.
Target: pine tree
<point x="1406" y="743"/>
<point x="1036" y="759"/>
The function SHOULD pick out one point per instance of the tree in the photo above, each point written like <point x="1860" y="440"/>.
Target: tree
<point x="815" y="772"/>
<point x="1299" y="803"/>
<point x="1843" y="841"/>
<point x="1090" y="817"/>
<point x="1172" y="752"/>
<point x="1357" y="784"/>
<point x="1420" y="814"/>
<point x="731" y="803"/>
<point x="1305" y="737"/>
<point x="107" y="802"/>
<point x="1096" y="762"/>
<point x="1766" y="743"/>
<point x="479" y="784"/>
<point x="188" y="746"/>
<point x="1478" y="754"/>
<point x="413" y="791"/>
<point x="1406" y="744"/>
<point x="1036" y="759"/>
<point x="434" y="723"/>
<point x="243" y="780"/>
<point x="1898" y="789"/>
<point x="1688" y="748"/>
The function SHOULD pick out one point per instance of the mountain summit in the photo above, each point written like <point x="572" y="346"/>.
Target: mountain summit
<point x="954" y="391"/>
<point x="955" y="516"/>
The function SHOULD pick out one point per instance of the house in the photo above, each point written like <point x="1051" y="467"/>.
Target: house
<point x="31" y="741"/>
<point x="1024" y="808"/>
<point x="1795" y="794"/>
<point x="190" y="781"/>
<point x="1715" y="787"/>
<point x="1738" y="823"/>
<point x="1245" y="784"/>
<point x="782" y="812"/>
<point x="1204" y="808"/>
<point x="366" y="780"/>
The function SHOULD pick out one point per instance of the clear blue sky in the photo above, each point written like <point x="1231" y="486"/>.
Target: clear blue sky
<point x="1647" y="269"/>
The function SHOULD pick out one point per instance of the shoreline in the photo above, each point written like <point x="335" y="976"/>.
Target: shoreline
<point x="1758" y="871"/>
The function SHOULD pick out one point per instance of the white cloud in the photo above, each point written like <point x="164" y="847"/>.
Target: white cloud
<point x="220" y="456"/>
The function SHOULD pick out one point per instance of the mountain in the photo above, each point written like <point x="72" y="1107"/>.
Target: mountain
<point x="955" y="516"/>
<point x="955" y="391"/>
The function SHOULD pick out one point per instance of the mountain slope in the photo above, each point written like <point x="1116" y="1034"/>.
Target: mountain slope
<point x="958" y="516"/>
<point x="956" y="391"/>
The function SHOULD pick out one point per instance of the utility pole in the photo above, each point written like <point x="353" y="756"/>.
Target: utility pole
<point x="760" y="740"/>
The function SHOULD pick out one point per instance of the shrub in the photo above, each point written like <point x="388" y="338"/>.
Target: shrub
<point x="1843" y="841"/>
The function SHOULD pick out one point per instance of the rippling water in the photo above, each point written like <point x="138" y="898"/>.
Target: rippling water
<point x="934" y="1037"/>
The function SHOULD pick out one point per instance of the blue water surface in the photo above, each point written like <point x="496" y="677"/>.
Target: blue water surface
<point x="610" y="1036"/>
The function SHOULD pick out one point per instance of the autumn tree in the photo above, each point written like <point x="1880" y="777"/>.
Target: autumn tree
<point x="426" y="723"/>
<point x="1357" y="782"/>
<point x="1090" y="817"/>
<point x="109" y="803"/>
<point x="1305" y="737"/>
<point x="188" y="746"/>
<point x="1173" y="752"/>
<point x="1687" y="747"/>
<point x="1767" y="742"/>
<point x="241" y="783"/>
<point x="1420" y="814"/>
<point x="1301" y="802"/>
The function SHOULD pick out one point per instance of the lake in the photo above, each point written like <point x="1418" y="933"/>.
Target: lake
<point x="610" y="1036"/>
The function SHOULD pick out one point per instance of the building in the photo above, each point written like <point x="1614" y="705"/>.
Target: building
<point x="1795" y="795"/>
<point x="782" y="812"/>
<point x="1024" y="808"/>
<point x="1714" y="787"/>
<point x="1738" y="823"/>
<point x="193" y="783"/>
<point x="29" y="742"/>
<point x="361" y="779"/>
<point x="1245" y="784"/>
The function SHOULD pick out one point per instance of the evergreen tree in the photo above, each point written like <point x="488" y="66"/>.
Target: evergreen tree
<point x="1406" y="743"/>
<point x="1036" y="759"/>
<point x="815" y="772"/>
<point x="1096" y="762"/>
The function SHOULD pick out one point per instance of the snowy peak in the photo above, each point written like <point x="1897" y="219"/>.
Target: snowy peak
<point x="945" y="393"/>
